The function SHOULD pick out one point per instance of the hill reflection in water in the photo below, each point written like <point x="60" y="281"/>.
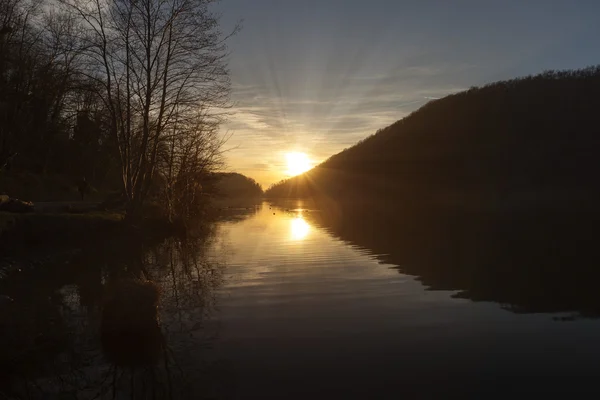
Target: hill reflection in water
<point x="528" y="261"/>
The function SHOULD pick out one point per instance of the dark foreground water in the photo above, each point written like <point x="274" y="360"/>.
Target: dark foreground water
<point x="290" y="302"/>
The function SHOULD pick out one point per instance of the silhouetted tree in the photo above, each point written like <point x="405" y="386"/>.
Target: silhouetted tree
<point x="37" y="78"/>
<point x="161" y="65"/>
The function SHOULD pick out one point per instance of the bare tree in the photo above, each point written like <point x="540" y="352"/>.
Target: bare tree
<point x="161" y="65"/>
<point x="20" y="60"/>
<point x="186" y="159"/>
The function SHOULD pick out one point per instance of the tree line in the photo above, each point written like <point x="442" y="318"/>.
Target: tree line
<point x="124" y="91"/>
<point x="236" y="186"/>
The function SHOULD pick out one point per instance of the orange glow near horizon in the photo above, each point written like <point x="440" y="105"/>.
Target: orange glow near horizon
<point x="297" y="163"/>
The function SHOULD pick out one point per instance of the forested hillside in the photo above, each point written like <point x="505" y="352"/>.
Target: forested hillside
<point x="533" y="134"/>
<point x="234" y="185"/>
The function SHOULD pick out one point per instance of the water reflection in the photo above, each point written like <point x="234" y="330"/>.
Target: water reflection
<point x="282" y="296"/>
<point x="315" y="316"/>
<point x="299" y="228"/>
<point x="117" y="320"/>
<point x="527" y="261"/>
<point x="130" y="328"/>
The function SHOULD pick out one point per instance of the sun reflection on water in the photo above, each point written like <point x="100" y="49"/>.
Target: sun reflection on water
<point x="299" y="228"/>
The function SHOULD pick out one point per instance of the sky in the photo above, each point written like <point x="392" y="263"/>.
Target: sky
<point x="317" y="76"/>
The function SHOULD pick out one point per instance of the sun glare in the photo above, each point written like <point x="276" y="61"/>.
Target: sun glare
<point x="297" y="163"/>
<point x="299" y="228"/>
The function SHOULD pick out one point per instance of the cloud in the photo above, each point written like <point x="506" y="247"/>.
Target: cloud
<point x="260" y="166"/>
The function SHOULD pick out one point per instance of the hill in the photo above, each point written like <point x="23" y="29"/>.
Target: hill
<point x="512" y="140"/>
<point x="231" y="185"/>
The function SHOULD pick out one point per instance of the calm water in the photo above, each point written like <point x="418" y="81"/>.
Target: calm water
<point x="280" y="302"/>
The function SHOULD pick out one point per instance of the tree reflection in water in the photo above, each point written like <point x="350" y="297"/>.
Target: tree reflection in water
<point x="119" y="320"/>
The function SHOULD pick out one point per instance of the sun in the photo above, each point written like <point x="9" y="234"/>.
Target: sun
<point x="297" y="163"/>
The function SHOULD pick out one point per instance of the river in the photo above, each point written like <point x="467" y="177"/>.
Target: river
<point x="283" y="302"/>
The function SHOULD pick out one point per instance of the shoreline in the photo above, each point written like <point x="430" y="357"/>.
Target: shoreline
<point x="33" y="240"/>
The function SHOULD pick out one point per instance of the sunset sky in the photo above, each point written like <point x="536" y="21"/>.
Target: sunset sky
<point x="317" y="76"/>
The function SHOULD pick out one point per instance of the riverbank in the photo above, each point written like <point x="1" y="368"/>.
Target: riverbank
<point x="37" y="229"/>
<point x="29" y="186"/>
<point x="29" y="241"/>
<point x="57" y="231"/>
